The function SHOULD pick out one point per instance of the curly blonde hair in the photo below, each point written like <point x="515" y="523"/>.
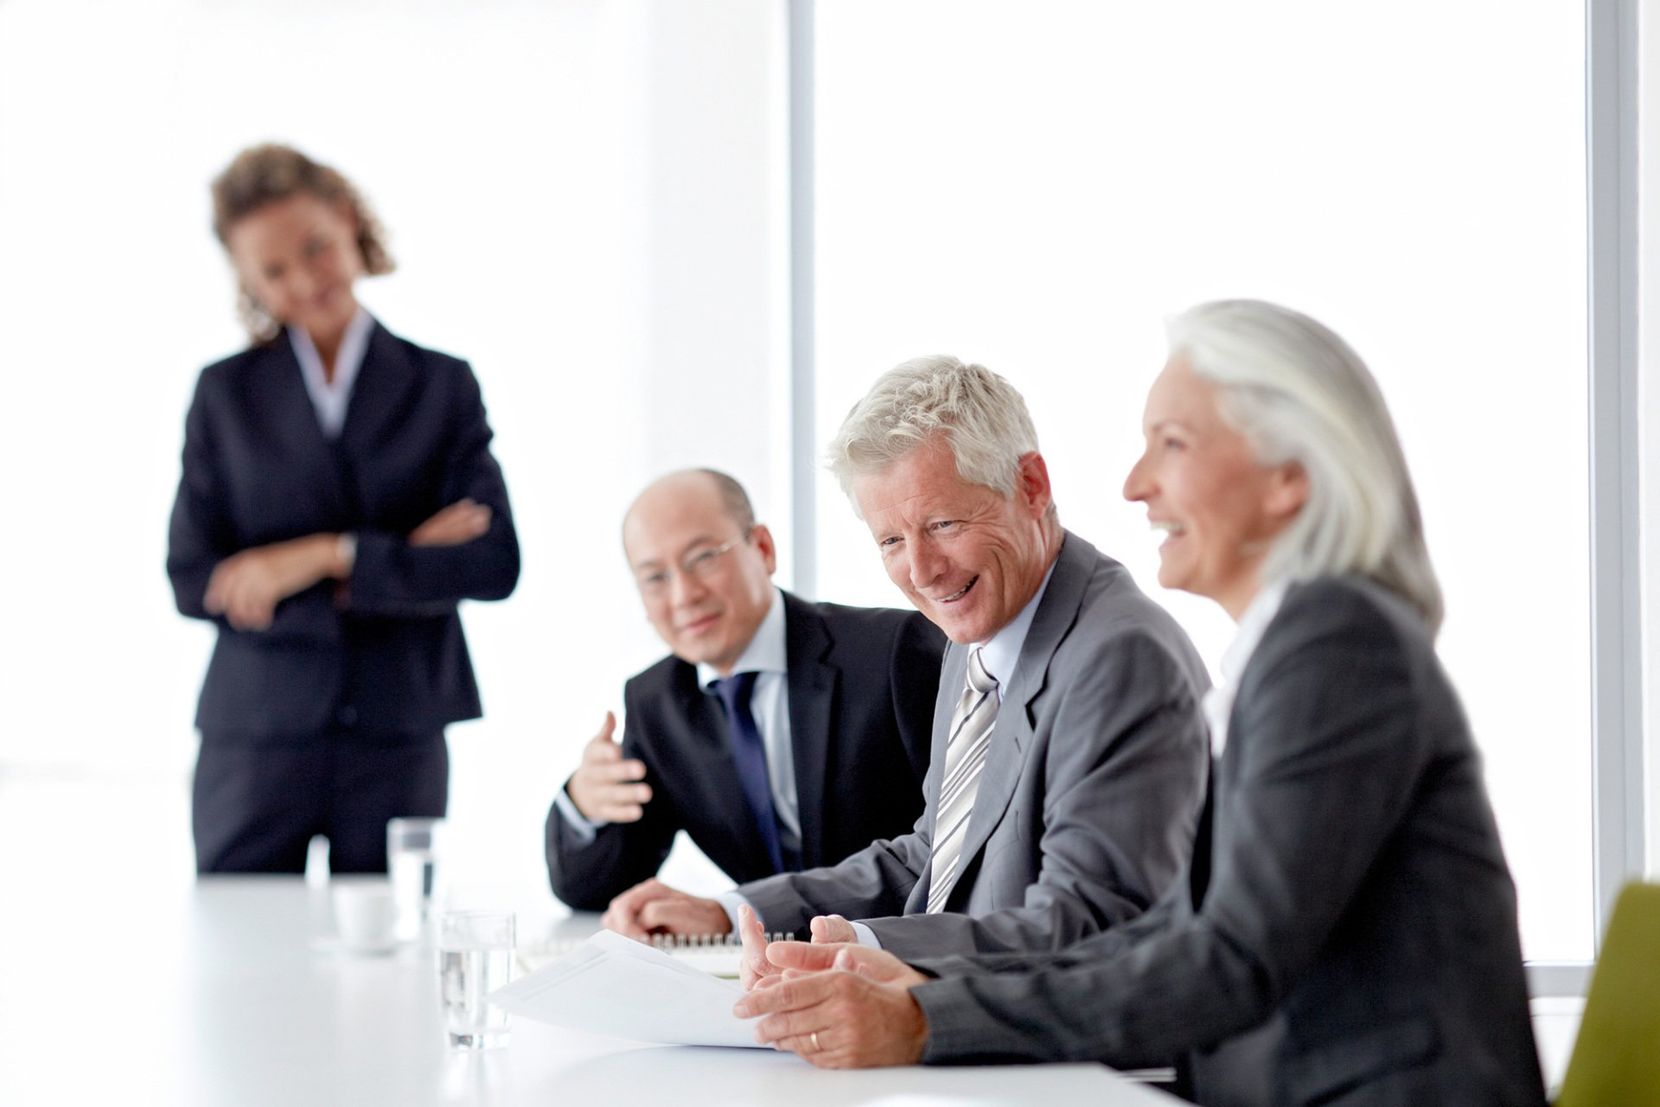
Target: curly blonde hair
<point x="264" y="174"/>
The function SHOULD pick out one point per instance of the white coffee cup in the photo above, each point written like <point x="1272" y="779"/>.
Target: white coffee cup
<point x="365" y="915"/>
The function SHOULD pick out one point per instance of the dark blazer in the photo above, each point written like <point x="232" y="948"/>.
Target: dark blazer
<point x="1088" y="799"/>
<point x="1355" y="943"/>
<point x="861" y="687"/>
<point x="384" y="654"/>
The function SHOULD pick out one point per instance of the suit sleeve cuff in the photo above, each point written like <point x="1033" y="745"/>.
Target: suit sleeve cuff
<point x="865" y="936"/>
<point x="581" y="827"/>
<point x="732" y="901"/>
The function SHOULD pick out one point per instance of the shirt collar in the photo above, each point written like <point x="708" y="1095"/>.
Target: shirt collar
<point x="1001" y="652"/>
<point x="766" y="652"/>
<point x="354" y="343"/>
<point x="1258" y="614"/>
<point x="1218" y="702"/>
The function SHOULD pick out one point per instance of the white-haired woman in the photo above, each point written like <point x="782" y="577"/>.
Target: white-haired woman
<point x="1347" y="934"/>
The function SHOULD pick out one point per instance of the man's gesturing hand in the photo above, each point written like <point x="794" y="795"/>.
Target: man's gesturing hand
<point x="605" y="787"/>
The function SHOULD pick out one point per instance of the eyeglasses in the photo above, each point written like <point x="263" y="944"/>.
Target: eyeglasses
<point x="699" y="565"/>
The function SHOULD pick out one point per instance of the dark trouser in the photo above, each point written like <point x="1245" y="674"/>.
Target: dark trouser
<point x="256" y="806"/>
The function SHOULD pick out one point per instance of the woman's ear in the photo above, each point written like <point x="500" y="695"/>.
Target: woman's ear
<point x="347" y="211"/>
<point x="1287" y="490"/>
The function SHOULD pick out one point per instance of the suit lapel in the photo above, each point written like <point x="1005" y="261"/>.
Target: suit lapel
<point x="1198" y="870"/>
<point x="282" y="403"/>
<point x="1012" y="736"/>
<point x="812" y="685"/>
<point x="379" y="397"/>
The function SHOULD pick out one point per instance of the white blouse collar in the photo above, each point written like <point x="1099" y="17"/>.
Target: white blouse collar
<point x="1219" y="700"/>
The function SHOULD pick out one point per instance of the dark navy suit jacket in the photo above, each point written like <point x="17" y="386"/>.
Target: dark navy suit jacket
<point x="382" y="655"/>
<point x="861" y="687"/>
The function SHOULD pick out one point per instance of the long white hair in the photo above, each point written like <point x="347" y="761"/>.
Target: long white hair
<point x="1299" y="393"/>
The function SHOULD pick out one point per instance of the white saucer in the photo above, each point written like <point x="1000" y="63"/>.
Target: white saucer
<point x="332" y="943"/>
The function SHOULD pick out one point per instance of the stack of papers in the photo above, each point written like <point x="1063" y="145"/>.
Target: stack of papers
<point x="614" y="985"/>
<point x="721" y="957"/>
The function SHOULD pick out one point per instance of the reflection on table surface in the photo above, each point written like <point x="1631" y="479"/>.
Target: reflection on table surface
<point x="235" y="993"/>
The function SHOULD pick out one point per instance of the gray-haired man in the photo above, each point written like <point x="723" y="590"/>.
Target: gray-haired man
<point x="1069" y="751"/>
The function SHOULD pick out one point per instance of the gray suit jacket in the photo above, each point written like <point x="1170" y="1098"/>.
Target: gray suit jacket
<point x="1355" y="942"/>
<point x="1088" y="800"/>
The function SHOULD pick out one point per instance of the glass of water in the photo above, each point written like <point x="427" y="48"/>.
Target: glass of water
<point x="412" y="849"/>
<point x="475" y="957"/>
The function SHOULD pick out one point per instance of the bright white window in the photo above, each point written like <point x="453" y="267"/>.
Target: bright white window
<point x="1037" y="186"/>
<point x="546" y="175"/>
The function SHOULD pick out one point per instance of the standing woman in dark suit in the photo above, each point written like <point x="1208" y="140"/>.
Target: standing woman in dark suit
<point x="1346" y="934"/>
<point x="338" y="499"/>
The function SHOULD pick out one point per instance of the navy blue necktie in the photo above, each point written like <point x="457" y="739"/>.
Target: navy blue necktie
<point x="751" y="758"/>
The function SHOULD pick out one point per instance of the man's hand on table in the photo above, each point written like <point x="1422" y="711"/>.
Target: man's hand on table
<point x="839" y="1006"/>
<point x="652" y="907"/>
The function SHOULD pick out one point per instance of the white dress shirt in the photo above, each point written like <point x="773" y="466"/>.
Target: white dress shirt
<point x="331" y="397"/>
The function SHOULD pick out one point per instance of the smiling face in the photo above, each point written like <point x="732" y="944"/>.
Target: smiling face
<point x="706" y="603"/>
<point x="298" y="258"/>
<point x="968" y="557"/>
<point x="1218" y="507"/>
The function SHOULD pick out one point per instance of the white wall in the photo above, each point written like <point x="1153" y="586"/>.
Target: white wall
<point x="586" y="199"/>
<point x="583" y="202"/>
<point x="1039" y="192"/>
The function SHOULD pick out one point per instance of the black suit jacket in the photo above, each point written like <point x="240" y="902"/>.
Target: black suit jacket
<point x="383" y="655"/>
<point x="861" y="689"/>
<point x="1355" y="942"/>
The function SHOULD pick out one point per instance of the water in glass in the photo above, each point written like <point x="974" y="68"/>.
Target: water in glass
<point x="466" y="976"/>
<point x="413" y="873"/>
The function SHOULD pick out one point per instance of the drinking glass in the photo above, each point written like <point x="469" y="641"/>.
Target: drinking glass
<point x="412" y="854"/>
<point x="475" y="957"/>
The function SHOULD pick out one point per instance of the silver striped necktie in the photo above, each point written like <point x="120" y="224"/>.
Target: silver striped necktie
<point x="965" y="756"/>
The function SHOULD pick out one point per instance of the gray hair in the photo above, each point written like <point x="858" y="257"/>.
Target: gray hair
<point x="1299" y="393"/>
<point x="982" y="418"/>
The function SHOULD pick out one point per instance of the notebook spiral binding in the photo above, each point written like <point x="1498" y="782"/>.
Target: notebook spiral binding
<point x="680" y="945"/>
<point x="685" y="943"/>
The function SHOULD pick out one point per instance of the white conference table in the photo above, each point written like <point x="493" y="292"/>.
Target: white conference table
<point x="236" y="998"/>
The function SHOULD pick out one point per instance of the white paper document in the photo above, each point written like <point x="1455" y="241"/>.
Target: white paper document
<point x="614" y="985"/>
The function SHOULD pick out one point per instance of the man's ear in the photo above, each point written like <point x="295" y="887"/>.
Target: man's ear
<point x="762" y="537"/>
<point x="1031" y="484"/>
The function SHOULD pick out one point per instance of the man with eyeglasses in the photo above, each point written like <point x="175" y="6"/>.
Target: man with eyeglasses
<point x="1070" y="751"/>
<point x="779" y="735"/>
